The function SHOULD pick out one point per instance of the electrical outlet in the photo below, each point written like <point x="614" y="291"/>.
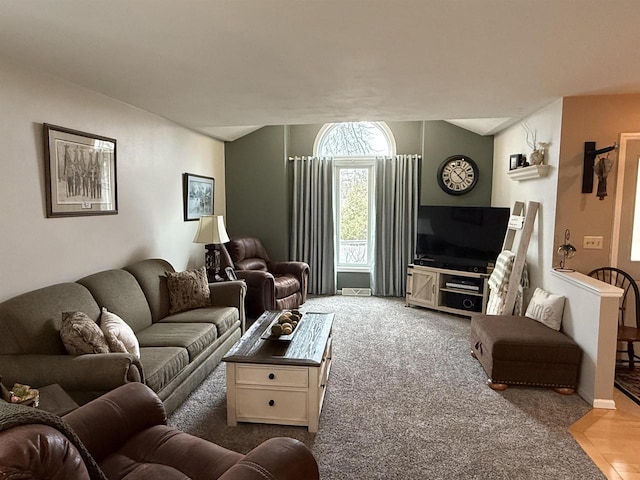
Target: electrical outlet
<point x="591" y="242"/>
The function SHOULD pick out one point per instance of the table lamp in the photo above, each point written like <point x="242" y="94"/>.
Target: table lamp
<point x="212" y="233"/>
<point x="567" y="251"/>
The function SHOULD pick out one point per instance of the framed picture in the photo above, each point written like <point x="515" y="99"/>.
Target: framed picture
<point x="198" y="196"/>
<point x="80" y="173"/>
<point x="515" y="161"/>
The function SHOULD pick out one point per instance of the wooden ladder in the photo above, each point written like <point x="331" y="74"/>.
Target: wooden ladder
<point x="526" y="229"/>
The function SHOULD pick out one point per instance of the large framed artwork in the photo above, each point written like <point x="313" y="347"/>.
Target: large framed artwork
<point x="198" y="196"/>
<point x="80" y="173"/>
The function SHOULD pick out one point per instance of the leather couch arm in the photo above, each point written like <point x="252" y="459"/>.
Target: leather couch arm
<point x="261" y="286"/>
<point x="39" y="451"/>
<point x="106" y="423"/>
<point x="278" y="458"/>
<point x="81" y="373"/>
<point x="299" y="269"/>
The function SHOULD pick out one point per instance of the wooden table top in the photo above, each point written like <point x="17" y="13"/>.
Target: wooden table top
<point x="305" y="348"/>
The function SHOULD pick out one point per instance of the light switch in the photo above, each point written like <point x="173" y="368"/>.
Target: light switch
<point x="592" y="242"/>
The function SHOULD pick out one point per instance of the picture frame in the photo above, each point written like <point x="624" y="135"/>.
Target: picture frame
<point x="198" y="192"/>
<point x="80" y="173"/>
<point x="515" y="161"/>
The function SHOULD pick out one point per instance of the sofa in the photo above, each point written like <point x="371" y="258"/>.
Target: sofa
<point x="270" y="285"/>
<point x="124" y="435"/>
<point x="177" y="351"/>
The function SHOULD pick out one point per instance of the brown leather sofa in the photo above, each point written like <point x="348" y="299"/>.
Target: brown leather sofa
<point x="124" y="435"/>
<point x="270" y="285"/>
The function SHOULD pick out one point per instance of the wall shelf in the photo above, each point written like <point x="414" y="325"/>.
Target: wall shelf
<point x="529" y="173"/>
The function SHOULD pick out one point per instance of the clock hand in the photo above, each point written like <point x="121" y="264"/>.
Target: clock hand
<point x="453" y="172"/>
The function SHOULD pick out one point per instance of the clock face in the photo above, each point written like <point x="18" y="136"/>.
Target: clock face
<point x="458" y="175"/>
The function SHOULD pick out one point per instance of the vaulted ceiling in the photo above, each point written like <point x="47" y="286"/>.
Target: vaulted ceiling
<point x="225" y="67"/>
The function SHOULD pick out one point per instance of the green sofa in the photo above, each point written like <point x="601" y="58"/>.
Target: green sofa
<point x="177" y="351"/>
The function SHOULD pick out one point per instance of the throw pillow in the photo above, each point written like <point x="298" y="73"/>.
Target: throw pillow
<point x="118" y="334"/>
<point x="80" y="334"/>
<point x="188" y="290"/>
<point x="546" y="308"/>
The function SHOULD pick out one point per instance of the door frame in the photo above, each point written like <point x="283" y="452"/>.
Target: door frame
<point x="617" y="209"/>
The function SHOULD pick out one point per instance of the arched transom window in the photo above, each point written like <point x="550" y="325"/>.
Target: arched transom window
<point x="354" y="139"/>
<point x="354" y="146"/>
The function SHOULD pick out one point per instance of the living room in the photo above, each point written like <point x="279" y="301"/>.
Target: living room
<point x="153" y="152"/>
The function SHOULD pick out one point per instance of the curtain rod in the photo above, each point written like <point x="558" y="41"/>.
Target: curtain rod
<point x="305" y="157"/>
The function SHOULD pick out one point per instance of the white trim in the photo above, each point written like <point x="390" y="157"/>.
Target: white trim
<point x="617" y="209"/>
<point x="589" y="284"/>
<point x="606" y="404"/>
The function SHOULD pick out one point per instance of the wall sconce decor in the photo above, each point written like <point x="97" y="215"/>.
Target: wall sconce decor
<point x="590" y="154"/>
<point x="567" y="251"/>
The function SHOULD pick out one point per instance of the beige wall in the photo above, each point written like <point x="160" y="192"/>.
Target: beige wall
<point x="600" y="119"/>
<point x="152" y="155"/>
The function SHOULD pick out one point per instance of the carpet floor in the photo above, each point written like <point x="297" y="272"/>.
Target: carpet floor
<point x="628" y="381"/>
<point x="406" y="400"/>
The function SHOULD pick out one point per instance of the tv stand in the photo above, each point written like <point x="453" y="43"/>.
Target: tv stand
<point x="452" y="291"/>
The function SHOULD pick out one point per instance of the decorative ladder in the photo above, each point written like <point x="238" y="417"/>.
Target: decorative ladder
<point x="525" y="227"/>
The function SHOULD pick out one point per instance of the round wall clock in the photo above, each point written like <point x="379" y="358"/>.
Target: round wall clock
<point x="458" y="175"/>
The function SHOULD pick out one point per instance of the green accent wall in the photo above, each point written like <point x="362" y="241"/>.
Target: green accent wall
<point x="442" y="140"/>
<point x="258" y="177"/>
<point x="257" y="202"/>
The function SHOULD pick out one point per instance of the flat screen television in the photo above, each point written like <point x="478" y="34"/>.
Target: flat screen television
<point x="454" y="235"/>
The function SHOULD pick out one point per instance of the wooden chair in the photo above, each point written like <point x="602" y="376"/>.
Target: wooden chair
<point x="630" y="297"/>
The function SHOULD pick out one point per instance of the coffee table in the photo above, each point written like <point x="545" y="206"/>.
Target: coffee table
<point x="280" y="382"/>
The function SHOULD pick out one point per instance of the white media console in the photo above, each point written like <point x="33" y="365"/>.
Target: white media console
<point x="453" y="291"/>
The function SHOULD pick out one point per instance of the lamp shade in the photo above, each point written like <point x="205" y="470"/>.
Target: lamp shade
<point x="211" y="230"/>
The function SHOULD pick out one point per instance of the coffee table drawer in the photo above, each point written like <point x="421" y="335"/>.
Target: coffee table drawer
<point x="272" y="376"/>
<point x="271" y="405"/>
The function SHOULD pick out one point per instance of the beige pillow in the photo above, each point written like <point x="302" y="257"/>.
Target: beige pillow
<point x="188" y="290"/>
<point x="80" y="334"/>
<point x="118" y="334"/>
<point x="546" y="308"/>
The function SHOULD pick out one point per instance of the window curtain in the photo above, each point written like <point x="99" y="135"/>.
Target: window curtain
<point x="312" y="223"/>
<point x="397" y="183"/>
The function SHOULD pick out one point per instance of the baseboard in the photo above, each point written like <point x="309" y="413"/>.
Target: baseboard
<point x="605" y="404"/>
<point x="356" y="292"/>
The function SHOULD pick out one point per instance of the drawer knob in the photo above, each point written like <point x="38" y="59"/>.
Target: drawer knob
<point x="271" y="376"/>
<point x="271" y="403"/>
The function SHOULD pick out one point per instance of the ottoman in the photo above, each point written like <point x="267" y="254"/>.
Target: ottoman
<point x="516" y="350"/>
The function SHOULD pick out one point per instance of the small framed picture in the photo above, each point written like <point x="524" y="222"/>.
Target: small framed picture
<point x="198" y="196"/>
<point x="80" y="173"/>
<point x="515" y="161"/>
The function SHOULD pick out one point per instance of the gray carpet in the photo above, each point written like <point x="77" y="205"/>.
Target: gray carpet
<point x="407" y="401"/>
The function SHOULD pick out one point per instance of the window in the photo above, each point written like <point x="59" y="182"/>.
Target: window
<point x="354" y="145"/>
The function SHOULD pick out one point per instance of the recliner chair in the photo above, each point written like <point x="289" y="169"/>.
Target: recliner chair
<point x="124" y="435"/>
<point x="270" y="285"/>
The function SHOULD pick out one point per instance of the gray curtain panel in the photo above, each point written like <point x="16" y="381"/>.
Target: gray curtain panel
<point x="312" y="230"/>
<point x="397" y="182"/>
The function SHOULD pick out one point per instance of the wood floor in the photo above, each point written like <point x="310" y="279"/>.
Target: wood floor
<point x="612" y="438"/>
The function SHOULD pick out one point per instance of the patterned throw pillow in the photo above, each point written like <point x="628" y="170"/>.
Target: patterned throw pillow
<point x="80" y="334"/>
<point x="188" y="290"/>
<point x="546" y="308"/>
<point x="118" y="334"/>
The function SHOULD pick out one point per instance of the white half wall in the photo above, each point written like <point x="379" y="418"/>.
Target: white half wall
<point x="152" y="154"/>
<point x="591" y="319"/>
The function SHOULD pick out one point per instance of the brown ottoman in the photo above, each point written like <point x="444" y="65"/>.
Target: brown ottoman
<point x="516" y="350"/>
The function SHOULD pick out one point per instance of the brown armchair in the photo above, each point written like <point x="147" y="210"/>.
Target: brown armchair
<point x="124" y="434"/>
<point x="270" y="285"/>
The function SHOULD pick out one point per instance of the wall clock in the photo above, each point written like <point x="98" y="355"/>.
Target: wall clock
<point x="458" y="175"/>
